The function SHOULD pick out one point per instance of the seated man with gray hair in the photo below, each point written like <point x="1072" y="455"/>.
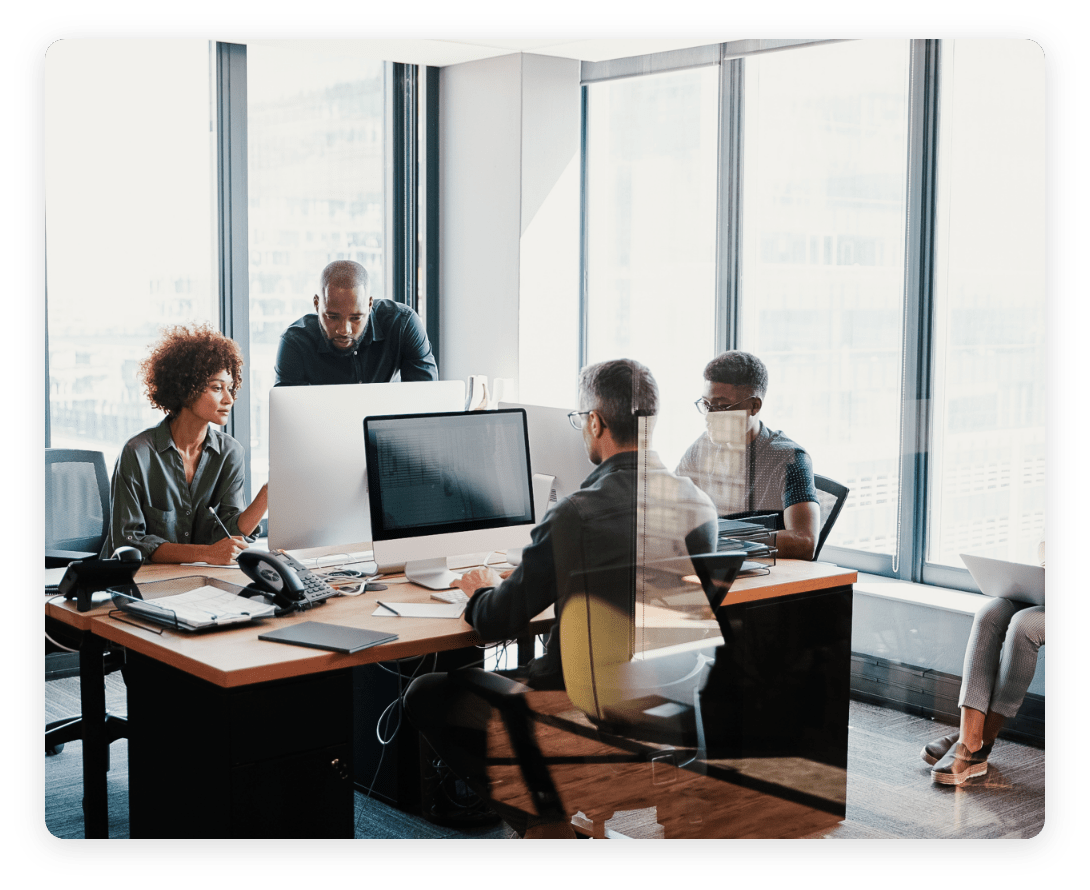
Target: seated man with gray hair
<point x="780" y="475"/>
<point x="629" y="513"/>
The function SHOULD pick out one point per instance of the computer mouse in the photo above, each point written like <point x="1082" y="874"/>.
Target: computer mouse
<point x="372" y="586"/>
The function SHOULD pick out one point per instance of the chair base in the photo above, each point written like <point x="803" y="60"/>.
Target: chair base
<point x="70" y="729"/>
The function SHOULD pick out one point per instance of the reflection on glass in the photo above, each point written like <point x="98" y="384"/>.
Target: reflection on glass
<point x="315" y="194"/>
<point x="129" y="224"/>
<point x="823" y="264"/>
<point x="651" y="196"/>
<point x="988" y="449"/>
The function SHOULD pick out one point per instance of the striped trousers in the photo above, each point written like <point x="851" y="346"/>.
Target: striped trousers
<point x="1001" y="656"/>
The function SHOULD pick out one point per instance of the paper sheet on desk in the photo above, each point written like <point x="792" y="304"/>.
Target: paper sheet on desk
<point x="421" y="610"/>
<point x="211" y="565"/>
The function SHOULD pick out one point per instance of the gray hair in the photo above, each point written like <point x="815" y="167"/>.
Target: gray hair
<point x="737" y="368"/>
<point x="343" y="273"/>
<point x="620" y="391"/>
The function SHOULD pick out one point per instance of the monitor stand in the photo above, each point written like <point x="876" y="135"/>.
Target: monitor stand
<point x="430" y="573"/>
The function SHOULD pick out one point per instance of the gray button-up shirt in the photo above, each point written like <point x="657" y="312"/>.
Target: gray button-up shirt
<point x="153" y="504"/>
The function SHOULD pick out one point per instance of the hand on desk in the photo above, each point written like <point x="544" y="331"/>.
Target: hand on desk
<point x="482" y="576"/>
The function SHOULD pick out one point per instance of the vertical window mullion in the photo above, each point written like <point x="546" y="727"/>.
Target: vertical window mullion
<point x="401" y="184"/>
<point x="431" y="208"/>
<point x="918" y="326"/>
<point x="729" y="215"/>
<point x="232" y="195"/>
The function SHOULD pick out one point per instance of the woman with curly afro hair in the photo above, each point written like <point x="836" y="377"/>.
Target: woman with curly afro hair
<point x="175" y="483"/>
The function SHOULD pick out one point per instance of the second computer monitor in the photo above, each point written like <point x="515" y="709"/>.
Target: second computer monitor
<point x="317" y="479"/>
<point x="556" y="449"/>
<point x="445" y="485"/>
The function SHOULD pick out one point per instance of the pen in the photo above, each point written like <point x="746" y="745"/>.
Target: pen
<point x="219" y="522"/>
<point x="387" y="607"/>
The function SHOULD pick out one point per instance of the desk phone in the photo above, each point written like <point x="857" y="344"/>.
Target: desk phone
<point x="287" y="581"/>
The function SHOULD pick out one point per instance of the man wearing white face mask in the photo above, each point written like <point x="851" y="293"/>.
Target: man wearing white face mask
<point x="779" y="473"/>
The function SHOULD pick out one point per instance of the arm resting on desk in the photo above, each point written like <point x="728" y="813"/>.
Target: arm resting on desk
<point x="800" y="534"/>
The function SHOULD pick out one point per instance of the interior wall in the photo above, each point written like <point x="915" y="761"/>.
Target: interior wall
<point x="549" y="267"/>
<point x="479" y="216"/>
<point x="509" y="223"/>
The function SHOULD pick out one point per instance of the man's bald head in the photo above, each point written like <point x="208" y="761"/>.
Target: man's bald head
<point x="344" y="274"/>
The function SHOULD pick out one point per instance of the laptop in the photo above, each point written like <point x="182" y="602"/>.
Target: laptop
<point x="1009" y="580"/>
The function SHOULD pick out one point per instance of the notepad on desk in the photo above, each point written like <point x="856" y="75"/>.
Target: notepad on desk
<point x="334" y="637"/>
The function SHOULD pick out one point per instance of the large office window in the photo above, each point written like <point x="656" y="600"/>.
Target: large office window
<point x="822" y="285"/>
<point x="887" y="265"/>
<point x="132" y="190"/>
<point x="130" y="230"/>
<point x="987" y="479"/>
<point x="315" y="140"/>
<point x="650" y="242"/>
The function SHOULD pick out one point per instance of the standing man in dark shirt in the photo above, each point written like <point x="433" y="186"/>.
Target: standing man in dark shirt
<point x="353" y="339"/>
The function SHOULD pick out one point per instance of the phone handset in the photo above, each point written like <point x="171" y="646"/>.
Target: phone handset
<point x="290" y="585"/>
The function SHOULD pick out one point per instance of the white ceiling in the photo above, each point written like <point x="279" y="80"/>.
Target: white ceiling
<point x="453" y="52"/>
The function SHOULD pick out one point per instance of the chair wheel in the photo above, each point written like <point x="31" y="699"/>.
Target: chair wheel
<point x="54" y="749"/>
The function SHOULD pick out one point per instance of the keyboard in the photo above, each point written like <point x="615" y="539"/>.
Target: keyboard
<point x="451" y="596"/>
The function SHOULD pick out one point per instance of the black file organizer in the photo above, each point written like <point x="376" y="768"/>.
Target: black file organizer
<point x="755" y="535"/>
<point x="126" y="596"/>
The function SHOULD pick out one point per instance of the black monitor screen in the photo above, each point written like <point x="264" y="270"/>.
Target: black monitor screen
<point x="439" y="473"/>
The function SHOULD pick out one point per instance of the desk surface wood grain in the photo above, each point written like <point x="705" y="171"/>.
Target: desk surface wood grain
<point x="236" y="657"/>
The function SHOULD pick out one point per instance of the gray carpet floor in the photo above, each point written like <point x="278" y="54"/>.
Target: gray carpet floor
<point x="890" y="792"/>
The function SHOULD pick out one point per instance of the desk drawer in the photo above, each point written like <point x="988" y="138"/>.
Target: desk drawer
<point x="211" y="762"/>
<point x="290" y="716"/>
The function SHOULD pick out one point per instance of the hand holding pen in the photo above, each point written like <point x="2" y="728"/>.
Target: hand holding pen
<point x="224" y="551"/>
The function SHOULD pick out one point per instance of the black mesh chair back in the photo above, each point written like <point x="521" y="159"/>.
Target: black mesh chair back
<point x="77" y="517"/>
<point x="77" y="504"/>
<point x="831" y="497"/>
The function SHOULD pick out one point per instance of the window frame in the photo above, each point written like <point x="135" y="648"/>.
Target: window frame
<point x="229" y="93"/>
<point x="909" y="562"/>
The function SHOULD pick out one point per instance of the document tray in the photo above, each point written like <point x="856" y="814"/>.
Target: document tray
<point x="195" y="603"/>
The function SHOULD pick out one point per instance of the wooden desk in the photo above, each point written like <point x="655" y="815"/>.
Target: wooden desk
<point x="226" y="694"/>
<point x="188" y="692"/>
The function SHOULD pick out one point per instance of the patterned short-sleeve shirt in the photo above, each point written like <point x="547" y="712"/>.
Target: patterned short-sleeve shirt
<point x="780" y="473"/>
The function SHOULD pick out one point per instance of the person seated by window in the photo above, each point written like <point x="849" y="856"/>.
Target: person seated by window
<point x="167" y="477"/>
<point x="1000" y="659"/>
<point x="780" y="474"/>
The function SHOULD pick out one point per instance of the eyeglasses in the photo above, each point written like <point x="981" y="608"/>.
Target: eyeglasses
<point x="705" y="407"/>
<point x="575" y="418"/>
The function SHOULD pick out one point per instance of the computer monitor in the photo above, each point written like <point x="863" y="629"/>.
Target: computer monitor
<point x="556" y="449"/>
<point x="317" y="475"/>
<point x="445" y="485"/>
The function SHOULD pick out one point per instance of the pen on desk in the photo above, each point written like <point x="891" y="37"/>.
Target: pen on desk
<point x="388" y="608"/>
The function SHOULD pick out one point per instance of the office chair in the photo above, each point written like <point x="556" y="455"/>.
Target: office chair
<point x="77" y="517"/>
<point x="608" y="766"/>
<point x="831" y="497"/>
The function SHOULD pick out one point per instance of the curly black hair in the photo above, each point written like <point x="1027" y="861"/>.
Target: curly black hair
<point x="737" y="368"/>
<point x="183" y="361"/>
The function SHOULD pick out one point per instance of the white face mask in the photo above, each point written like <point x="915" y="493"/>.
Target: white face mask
<point x="727" y="428"/>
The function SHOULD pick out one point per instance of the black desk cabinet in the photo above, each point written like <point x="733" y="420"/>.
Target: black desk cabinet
<point x="267" y="760"/>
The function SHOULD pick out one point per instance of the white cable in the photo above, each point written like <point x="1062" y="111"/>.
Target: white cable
<point x="60" y="645"/>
